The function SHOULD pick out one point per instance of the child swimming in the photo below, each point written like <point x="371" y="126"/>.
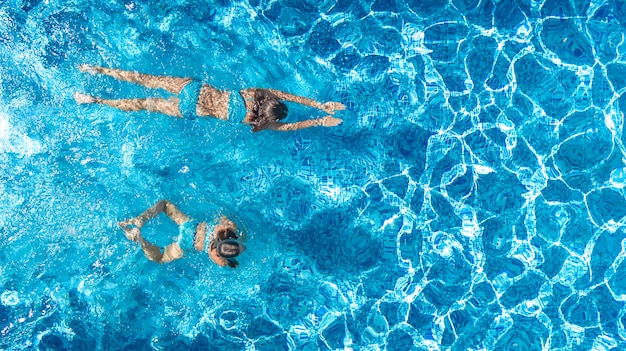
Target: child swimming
<point x="263" y="108"/>
<point x="222" y="246"/>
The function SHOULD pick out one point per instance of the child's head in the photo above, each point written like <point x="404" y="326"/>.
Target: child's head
<point x="267" y="108"/>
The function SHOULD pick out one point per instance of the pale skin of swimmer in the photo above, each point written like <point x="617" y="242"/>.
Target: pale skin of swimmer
<point x="173" y="251"/>
<point x="211" y="101"/>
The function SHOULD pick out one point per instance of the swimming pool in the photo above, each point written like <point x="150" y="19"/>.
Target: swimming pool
<point x="472" y="199"/>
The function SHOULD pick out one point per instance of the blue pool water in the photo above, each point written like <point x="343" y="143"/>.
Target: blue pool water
<point x="472" y="199"/>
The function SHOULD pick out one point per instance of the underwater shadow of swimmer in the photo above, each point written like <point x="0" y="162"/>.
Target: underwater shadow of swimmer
<point x="334" y="243"/>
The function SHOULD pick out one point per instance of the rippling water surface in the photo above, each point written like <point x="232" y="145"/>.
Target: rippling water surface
<point x="472" y="199"/>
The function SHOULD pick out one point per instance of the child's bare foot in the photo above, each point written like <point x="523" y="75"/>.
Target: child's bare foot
<point x="133" y="221"/>
<point x="132" y="234"/>
<point x="88" y="69"/>
<point x="84" y="98"/>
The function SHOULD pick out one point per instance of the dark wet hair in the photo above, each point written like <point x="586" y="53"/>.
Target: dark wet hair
<point x="230" y="234"/>
<point x="267" y="108"/>
<point x="228" y="248"/>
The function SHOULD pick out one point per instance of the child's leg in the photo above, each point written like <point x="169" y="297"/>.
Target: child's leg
<point x="152" y="252"/>
<point x="172" y="252"/>
<point x="140" y="220"/>
<point x="171" y="84"/>
<point x="174" y="213"/>
<point x="162" y="206"/>
<point x="168" y="107"/>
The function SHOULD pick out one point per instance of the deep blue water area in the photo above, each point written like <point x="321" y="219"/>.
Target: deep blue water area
<point x="472" y="199"/>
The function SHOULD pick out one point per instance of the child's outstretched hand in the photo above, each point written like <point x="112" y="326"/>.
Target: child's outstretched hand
<point x="329" y="121"/>
<point x="132" y="234"/>
<point x="331" y="107"/>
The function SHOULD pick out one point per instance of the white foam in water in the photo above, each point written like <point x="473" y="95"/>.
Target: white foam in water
<point x="608" y="121"/>
<point x="128" y="153"/>
<point x="482" y="169"/>
<point x="10" y="298"/>
<point x="529" y="308"/>
<point x="14" y="142"/>
<point x="618" y="177"/>
<point x="504" y="124"/>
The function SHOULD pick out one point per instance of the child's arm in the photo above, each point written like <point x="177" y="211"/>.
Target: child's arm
<point x="329" y="107"/>
<point x="152" y="252"/>
<point x="296" y="98"/>
<point x="327" y="121"/>
<point x="220" y="261"/>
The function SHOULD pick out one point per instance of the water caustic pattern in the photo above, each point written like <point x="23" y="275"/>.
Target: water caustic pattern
<point x="472" y="199"/>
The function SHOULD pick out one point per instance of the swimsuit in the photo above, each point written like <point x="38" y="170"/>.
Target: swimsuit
<point x="236" y="105"/>
<point x="187" y="234"/>
<point x="207" y="242"/>
<point x="188" y="99"/>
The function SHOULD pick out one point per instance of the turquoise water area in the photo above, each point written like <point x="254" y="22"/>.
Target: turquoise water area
<point x="472" y="199"/>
